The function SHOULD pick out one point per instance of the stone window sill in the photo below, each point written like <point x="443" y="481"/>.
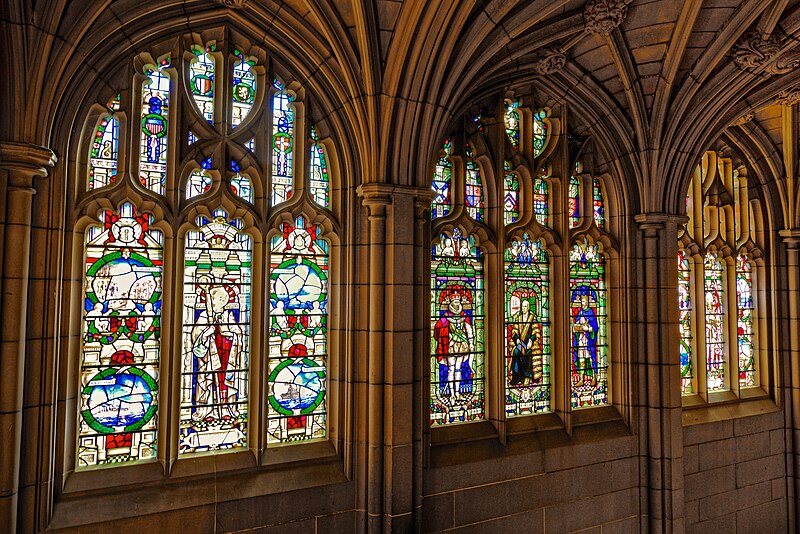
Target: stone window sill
<point x="757" y="402"/>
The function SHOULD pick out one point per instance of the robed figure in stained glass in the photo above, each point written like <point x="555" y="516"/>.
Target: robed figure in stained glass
<point x="585" y="329"/>
<point x="526" y="356"/>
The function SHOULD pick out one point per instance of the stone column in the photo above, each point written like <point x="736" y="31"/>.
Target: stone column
<point x="395" y="355"/>
<point x="20" y="164"/>
<point x="791" y="239"/>
<point x="656" y="352"/>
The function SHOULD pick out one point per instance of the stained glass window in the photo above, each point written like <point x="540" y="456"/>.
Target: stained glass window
<point x="541" y="201"/>
<point x="240" y="183"/>
<point x="282" y="144"/>
<point x="104" y="152"/>
<point x="201" y="82"/>
<point x="574" y="201"/>
<point x="298" y="334"/>
<point x="457" y="323"/>
<point x="478" y="120"/>
<point x="319" y="183"/>
<point x="244" y="88"/>
<point x="474" y="189"/>
<point x="589" y="373"/>
<point x="120" y="340"/>
<point x="191" y="138"/>
<point x="527" y="328"/>
<point x="511" y="119"/>
<point x="539" y="131"/>
<point x="685" y="322"/>
<point x="744" y="322"/>
<point x="216" y="336"/>
<point x="199" y="183"/>
<point x="510" y="195"/>
<point x="442" y="184"/>
<point x="155" y="127"/>
<point x="714" y="289"/>
<point x="598" y="203"/>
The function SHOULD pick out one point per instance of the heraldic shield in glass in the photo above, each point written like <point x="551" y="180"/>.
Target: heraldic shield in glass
<point x="457" y="328"/>
<point x="118" y="393"/>
<point x="298" y="334"/>
<point x="216" y="336"/>
<point x="589" y="375"/>
<point x="527" y="327"/>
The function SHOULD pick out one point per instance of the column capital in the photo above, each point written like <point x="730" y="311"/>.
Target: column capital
<point x="790" y="236"/>
<point x="652" y="222"/>
<point x="25" y="162"/>
<point x="377" y="196"/>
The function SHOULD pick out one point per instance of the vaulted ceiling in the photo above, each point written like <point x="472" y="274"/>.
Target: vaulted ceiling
<point x="655" y="82"/>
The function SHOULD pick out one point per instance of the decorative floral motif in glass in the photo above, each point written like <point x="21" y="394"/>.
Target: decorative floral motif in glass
<point x="511" y="119"/>
<point x="104" y="152"/>
<point x="574" y="201"/>
<point x="714" y="291"/>
<point x="685" y="322"/>
<point x="744" y="323"/>
<point x="216" y="336"/>
<point x="474" y="189"/>
<point x="510" y="195"/>
<point x="589" y="346"/>
<point x="599" y="204"/>
<point x="319" y="182"/>
<point x="282" y="145"/>
<point x="201" y="81"/>
<point x="298" y="334"/>
<point x="155" y="128"/>
<point x="527" y="328"/>
<point x="442" y="182"/>
<point x="539" y="132"/>
<point x="457" y="328"/>
<point x="244" y="88"/>
<point x="119" y="372"/>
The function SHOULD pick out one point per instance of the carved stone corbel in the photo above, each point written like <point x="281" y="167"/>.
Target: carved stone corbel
<point x="603" y="16"/>
<point x="552" y="61"/>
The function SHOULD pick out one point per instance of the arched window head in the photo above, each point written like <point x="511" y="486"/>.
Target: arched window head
<point x="442" y="183"/>
<point x="589" y="345"/>
<point x="511" y="208"/>
<point x="282" y="143"/>
<point x="319" y="182"/>
<point x="527" y="327"/>
<point x="120" y="357"/>
<point x="104" y="152"/>
<point x="457" y="328"/>
<point x="474" y="195"/>
<point x="685" y="322"/>
<point x="298" y="334"/>
<point x="598" y="203"/>
<point x="155" y="127"/>
<point x="243" y="90"/>
<point x="511" y="120"/>
<point x="539" y="132"/>
<point x="201" y="80"/>
<point x="216" y="336"/>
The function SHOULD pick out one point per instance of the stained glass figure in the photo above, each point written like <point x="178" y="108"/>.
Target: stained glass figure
<point x="198" y="184"/>
<point x="282" y="145"/>
<point x="527" y="328"/>
<point x="539" y="131"/>
<point x="474" y="189"/>
<point x="457" y="327"/>
<point x="510" y="195"/>
<point x="201" y="81"/>
<point x="442" y="184"/>
<point x="104" y="152"/>
<point x="298" y="334"/>
<point x="744" y="323"/>
<point x="685" y="323"/>
<point x="574" y="201"/>
<point x="240" y="183"/>
<point x="598" y="203"/>
<point x="244" y="88"/>
<point x="511" y="119"/>
<point x="589" y="375"/>
<point x="541" y="201"/>
<point x="119" y="373"/>
<point x="714" y="290"/>
<point x="216" y="336"/>
<point x="155" y="114"/>
<point x="319" y="182"/>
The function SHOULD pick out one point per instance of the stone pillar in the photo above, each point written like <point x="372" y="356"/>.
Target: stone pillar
<point x="658" y="365"/>
<point x="20" y="164"/>
<point x="791" y="239"/>
<point x="395" y="352"/>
